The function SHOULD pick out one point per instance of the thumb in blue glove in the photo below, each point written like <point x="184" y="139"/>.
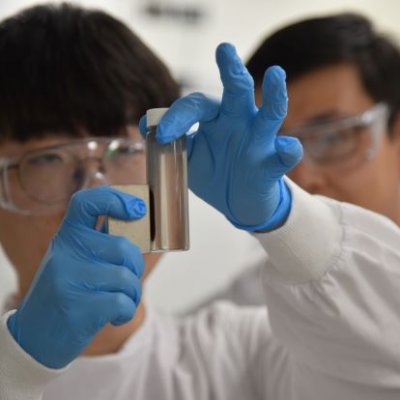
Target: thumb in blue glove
<point x="87" y="279"/>
<point x="236" y="160"/>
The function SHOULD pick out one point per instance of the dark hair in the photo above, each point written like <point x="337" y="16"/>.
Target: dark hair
<point x="70" y="70"/>
<point x="343" y="38"/>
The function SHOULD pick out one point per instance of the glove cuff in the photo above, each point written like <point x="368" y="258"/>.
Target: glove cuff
<point x="279" y="216"/>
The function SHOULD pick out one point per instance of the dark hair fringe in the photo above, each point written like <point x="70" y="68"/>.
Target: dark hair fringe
<point x="350" y="38"/>
<point x="65" y="69"/>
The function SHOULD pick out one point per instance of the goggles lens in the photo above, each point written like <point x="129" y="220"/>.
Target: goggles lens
<point x="344" y="143"/>
<point x="43" y="181"/>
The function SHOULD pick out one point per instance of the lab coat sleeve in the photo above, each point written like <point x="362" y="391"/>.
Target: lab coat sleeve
<point x="333" y="292"/>
<point x="21" y="377"/>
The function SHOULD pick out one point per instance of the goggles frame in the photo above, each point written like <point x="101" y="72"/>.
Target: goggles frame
<point x="90" y="145"/>
<point x="375" y="118"/>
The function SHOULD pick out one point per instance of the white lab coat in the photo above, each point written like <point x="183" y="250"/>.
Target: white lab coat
<point x="332" y="329"/>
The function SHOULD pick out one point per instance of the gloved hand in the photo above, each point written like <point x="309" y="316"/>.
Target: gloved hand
<point x="236" y="161"/>
<point x="86" y="280"/>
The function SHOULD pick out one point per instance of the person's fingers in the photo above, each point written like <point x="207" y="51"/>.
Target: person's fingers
<point x="99" y="247"/>
<point x="119" y="251"/>
<point x="274" y="105"/>
<point x="112" y="278"/>
<point x="289" y="150"/>
<point x="116" y="308"/>
<point x="288" y="153"/>
<point x="183" y="114"/>
<point x="88" y="204"/>
<point x="274" y="94"/>
<point x="238" y="95"/>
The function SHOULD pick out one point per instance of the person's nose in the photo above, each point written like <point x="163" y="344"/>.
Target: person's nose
<point x="94" y="172"/>
<point x="309" y="176"/>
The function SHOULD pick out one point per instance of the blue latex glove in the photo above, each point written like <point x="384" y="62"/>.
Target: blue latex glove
<point x="87" y="279"/>
<point x="236" y="161"/>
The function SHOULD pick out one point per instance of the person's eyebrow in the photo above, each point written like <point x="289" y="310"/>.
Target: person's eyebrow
<point x="326" y="116"/>
<point x="321" y="118"/>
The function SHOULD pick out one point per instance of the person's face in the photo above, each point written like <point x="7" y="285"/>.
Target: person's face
<point x="329" y="94"/>
<point x="25" y="238"/>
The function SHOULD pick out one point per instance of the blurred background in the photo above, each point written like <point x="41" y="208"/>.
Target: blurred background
<point x="184" y="33"/>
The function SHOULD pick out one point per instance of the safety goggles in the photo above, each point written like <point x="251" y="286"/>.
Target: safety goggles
<point x="343" y="143"/>
<point x="42" y="181"/>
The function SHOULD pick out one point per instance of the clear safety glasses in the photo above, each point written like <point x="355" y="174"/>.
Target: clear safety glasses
<point x="344" y="143"/>
<point x="42" y="181"/>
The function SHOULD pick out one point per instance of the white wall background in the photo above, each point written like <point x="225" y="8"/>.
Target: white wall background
<point x="218" y="252"/>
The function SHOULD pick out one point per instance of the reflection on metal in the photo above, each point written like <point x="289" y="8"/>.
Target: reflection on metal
<point x="167" y="179"/>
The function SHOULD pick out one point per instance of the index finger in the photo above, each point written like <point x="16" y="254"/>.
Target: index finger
<point x="183" y="114"/>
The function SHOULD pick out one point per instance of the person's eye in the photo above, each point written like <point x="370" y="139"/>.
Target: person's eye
<point x="124" y="150"/>
<point x="343" y="137"/>
<point x="333" y="138"/>
<point x="127" y="150"/>
<point x="340" y="144"/>
<point x="45" y="159"/>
